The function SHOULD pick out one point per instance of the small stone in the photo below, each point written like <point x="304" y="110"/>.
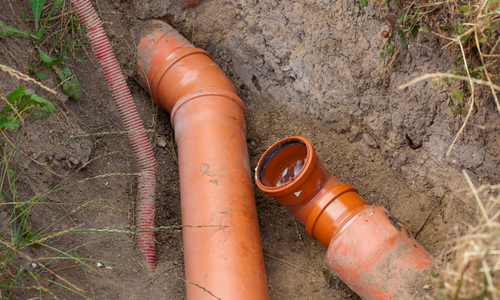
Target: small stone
<point x="363" y="149"/>
<point x="286" y="68"/>
<point x="355" y="134"/>
<point x="253" y="152"/>
<point x="426" y="287"/>
<point x="370" y="141"/>
<point x="161" y="141"/>
<point x="62" y="96"/>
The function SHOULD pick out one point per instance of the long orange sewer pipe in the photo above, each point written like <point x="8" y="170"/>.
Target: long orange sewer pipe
<point x="215" y="180"/>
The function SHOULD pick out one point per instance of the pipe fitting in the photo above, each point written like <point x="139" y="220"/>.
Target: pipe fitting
<point x="291" y="172"/>
<point x="368" y="248"/>
<point x="208" y="117"/>
<point x="170" y="68"/>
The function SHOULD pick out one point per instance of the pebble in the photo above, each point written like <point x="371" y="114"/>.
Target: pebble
<point x="161" y="141"/>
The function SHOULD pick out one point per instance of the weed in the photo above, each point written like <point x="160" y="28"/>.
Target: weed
<point x="473" y="31"/>
<point x="6" y="31"/>
<point x="36" y="7"/>
<point x="404" y="21"/>
<point x="70" y="84"/>
<point x="22" y="102"/>
<point x="363" y="3"/>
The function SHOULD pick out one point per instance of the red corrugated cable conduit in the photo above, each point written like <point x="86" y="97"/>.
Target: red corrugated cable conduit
<point x="368" y="248"/>
<point x="215" y="180"/>
<point x="132" y="123"/>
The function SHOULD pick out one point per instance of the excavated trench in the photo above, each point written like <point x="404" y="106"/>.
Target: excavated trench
<point x="310" y="68"/>
<point x="321" y="59"/>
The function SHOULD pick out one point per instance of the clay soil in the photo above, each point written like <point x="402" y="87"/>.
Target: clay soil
<point x="294" y="262"/>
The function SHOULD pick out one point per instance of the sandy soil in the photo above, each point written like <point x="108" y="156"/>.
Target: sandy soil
<point x="429" y="210"/>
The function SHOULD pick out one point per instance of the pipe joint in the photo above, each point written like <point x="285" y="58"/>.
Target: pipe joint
<point x="205" y="93"/>
<point x="171" y="68"/>
<point x="325" y="212"/>
<point x="291" y="172"/>
<point x="169" y="63"/>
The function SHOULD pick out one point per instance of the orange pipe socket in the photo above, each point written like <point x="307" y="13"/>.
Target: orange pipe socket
<point x="368" y="248"/>
<point x="215" y="180"/>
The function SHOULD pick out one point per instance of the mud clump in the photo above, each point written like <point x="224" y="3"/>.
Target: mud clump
<point x="56" y="147"/>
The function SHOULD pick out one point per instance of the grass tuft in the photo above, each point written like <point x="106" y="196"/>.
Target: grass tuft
<point x="470" y="30"/>
<point x="473" y="270"/>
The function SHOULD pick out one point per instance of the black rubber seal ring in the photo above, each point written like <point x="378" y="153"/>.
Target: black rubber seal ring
<point x="273" y="152"/>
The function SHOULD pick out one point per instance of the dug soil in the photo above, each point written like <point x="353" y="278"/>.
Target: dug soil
<point x="308" y="68"/>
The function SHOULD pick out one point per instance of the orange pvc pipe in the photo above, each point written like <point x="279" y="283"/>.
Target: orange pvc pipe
<point x="215" y="179"/>
<point x="368" y="248"/>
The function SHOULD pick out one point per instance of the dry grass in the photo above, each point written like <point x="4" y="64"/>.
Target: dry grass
<point x="470" y="30"/>
<point x="474" y="269"/>
<point x="21" y="76"/>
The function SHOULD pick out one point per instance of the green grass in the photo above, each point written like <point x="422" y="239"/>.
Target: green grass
<point x="60" y="42"/>
<point x="57" y="46"/>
